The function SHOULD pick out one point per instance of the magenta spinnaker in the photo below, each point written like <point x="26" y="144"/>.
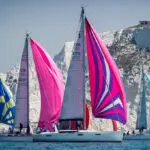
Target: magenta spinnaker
<point x="51" y="86"/>
<point x="107" y="92"/>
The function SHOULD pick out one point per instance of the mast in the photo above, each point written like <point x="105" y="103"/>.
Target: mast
<point x="84" y="51"/>
<point x="27" y="40"/>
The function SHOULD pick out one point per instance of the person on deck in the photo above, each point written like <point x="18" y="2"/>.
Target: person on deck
<point x="133" y="132"/>
<point x="141" y="130"/>
<point x="55" y="129"/>
<point x="78" y="124"/>
<point x="28" y="130"/>
<point x="21" y="127"/>
<point x="10" y="130"/>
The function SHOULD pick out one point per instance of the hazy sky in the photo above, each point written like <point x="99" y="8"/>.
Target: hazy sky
<point x="53" y="22"/>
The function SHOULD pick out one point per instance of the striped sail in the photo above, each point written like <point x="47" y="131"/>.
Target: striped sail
<point x="51" y="86"/>
<point x="22" y="96"/>
<point x="74" y="91"/>
<point x="7" y="105"/>
<point x="141" y="122"/>
<point x="106" y="89"/>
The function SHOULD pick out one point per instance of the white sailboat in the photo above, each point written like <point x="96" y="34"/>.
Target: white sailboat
<point x="22" y="101"/>
<point x="107" y="94"/>
<point x="141" y="122"/>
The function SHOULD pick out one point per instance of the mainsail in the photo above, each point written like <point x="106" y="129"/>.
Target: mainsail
<point x="74" y="90"/>
<point x="51" y="86"/>
<point x="142" y="116"/>
<point x="22" y="96"/>
<point x="107" y="93"/>
<point x="7" y="105"/>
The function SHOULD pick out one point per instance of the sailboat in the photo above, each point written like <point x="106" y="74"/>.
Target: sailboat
<point x="22" y="100"/>
<point x="51" y="87"/>
<point x="141" y="122"/>
<point x="51" y="90"/>
<point x="107" y="93"/>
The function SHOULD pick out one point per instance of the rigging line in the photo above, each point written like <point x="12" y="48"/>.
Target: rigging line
<point x="84" y="66"/>
<point x="27" y="38"/>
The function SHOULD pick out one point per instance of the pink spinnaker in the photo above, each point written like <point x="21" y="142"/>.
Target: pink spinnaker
<point x="107" y="93"/>
<point x="51" y="86"/>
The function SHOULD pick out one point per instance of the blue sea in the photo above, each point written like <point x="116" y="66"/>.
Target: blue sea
<point x="125" y="145"/>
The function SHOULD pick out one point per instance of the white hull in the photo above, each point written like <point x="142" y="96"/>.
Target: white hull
<point x="6" y="138"/>
<point x="137" y="137"/>
<point x="80" y="136"/>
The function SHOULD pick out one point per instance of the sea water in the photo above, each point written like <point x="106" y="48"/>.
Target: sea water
<point x="125" y="145"/>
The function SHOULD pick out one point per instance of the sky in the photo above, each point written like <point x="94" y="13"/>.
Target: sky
<point x="53" y="22"/>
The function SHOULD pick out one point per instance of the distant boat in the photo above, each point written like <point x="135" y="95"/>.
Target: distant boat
<point x="106" y="89"/>
<point x="141" y="121"/>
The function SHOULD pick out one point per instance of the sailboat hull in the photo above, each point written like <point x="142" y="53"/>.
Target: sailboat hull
<point x="7" y="138"/>
<point x="137" y="137"/>
<point x="81" y="136"/>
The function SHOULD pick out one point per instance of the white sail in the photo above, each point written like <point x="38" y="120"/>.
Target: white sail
<point x="141" y="122"/>
<point x="74" y="91"/>
<point x="22" y="96"/>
